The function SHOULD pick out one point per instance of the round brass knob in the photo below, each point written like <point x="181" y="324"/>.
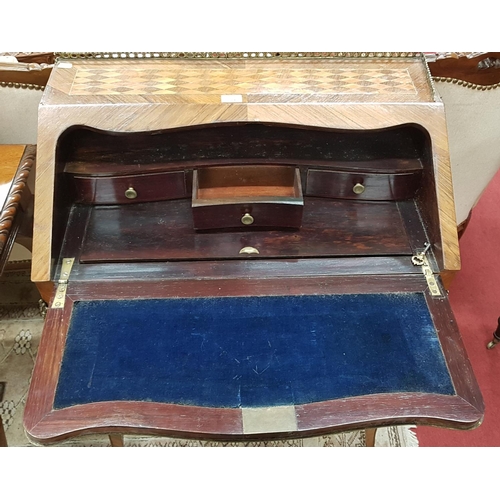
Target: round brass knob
<point x="247" y="219"/>
<point x="131" y="193"/>
<point x="359" y="188"/>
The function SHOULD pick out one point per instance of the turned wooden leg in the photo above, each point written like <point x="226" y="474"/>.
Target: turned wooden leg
<point x="116" y="440"/>
<point x="496" y="337"/>
<point x="3" y="439"/>
<point x="370" y="437"/>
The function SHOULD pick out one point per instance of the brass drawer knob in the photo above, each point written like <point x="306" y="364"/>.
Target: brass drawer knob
<point x="249" y="251"/>
<point x="131" y="193"/>
<point x="359" y="188"/>
<point x="247" y="219"/>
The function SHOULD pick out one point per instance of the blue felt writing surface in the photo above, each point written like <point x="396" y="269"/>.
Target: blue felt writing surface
<point x="250" y="351"/>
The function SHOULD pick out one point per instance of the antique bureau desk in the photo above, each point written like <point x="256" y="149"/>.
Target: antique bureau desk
<point x="245" y="247"/>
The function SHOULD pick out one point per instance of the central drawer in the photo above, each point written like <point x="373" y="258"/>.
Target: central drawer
<point x="247" y="196"/>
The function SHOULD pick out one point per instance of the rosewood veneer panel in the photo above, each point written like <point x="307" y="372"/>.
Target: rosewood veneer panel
<point x="164" y="231"/>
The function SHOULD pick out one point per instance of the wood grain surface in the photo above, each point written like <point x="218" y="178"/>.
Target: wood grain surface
<point x="108" y="126"/>
<point x="164" y="231"/>
<point x="10" y="157"/>
<point x="470" y="70"/>
<point x="371" y="95"/>
<point x="16" y="162"/>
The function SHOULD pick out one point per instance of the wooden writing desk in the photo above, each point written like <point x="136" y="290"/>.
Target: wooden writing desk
<point x="245" y="249"/>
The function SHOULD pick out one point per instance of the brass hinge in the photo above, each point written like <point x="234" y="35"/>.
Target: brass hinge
<point x="60" y="297"/>
<point x="420" y="259"/>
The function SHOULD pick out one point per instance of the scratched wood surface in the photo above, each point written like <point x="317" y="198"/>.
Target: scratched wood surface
<point x="45" y="424"/>
<point x="132" y="96"/>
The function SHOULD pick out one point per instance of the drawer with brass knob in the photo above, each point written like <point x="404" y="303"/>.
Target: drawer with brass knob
<point x="363" y="185"/>
<point x="124" y="189"/>
<point x="247" y="197"/>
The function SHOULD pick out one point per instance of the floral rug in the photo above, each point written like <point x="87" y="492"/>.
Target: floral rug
<point x="21" y="326"/>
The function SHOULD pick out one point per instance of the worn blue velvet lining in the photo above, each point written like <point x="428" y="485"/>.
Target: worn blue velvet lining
<point x="250" y="351"/>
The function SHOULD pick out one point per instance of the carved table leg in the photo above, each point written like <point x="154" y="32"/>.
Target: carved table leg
<point x="370" y="437"/>
<point x="496" y="337"/>
<point x="116" y="440"/>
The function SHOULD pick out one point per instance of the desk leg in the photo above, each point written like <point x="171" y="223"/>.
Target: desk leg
<point x="116" y="440"/>
<point x="370" y="437"/>
<point x="3" y="439"/>
<point x="496" y="337"/>
<point x="46" y="290"/>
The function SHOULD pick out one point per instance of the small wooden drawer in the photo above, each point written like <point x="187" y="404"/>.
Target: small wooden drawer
<point x="248" y="196"/>
<point x="362" y="186"/>
<point x="140" y="188"/>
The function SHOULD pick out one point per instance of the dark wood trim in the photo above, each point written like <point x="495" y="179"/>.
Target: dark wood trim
<point x="389" y="409"/>
<point x="14" y="200"/>
<point x="44" y="380"/>
<point x="130" y="417"/>
<point x="454" y="351"/>
<point x="35" y="57"/>
<point x="16" y="216"/>
<point x="3" y="438"/>
<point x="463" y="225"/>
<point x="414" y="226"/>
<point x="483" y="69"/>
<point x="244" y="269"/>
<point x="9" y="244"/>
<point x="393" y="150"/>
<point x="227" y="287"/>
<point x="43" y="423"/>
<point x="108" y="169"/>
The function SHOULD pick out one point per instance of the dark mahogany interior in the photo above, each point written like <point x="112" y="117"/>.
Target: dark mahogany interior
<point x="90" y="151"/>
<point x="95" y="169"/>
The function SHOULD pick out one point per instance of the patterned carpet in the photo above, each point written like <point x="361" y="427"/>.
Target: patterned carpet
<point x="20" y="329"/>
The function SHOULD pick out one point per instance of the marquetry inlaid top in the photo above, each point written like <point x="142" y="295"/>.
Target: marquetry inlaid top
<point x="154" y="95"/>
<point x="230" y="81"/>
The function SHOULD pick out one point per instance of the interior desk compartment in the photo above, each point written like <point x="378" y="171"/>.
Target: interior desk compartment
<point x="247" y="195"/>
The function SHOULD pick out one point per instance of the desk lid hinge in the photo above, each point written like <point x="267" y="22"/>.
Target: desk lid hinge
<point x="60" y="296"/>
<point x="420" y="259"/>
